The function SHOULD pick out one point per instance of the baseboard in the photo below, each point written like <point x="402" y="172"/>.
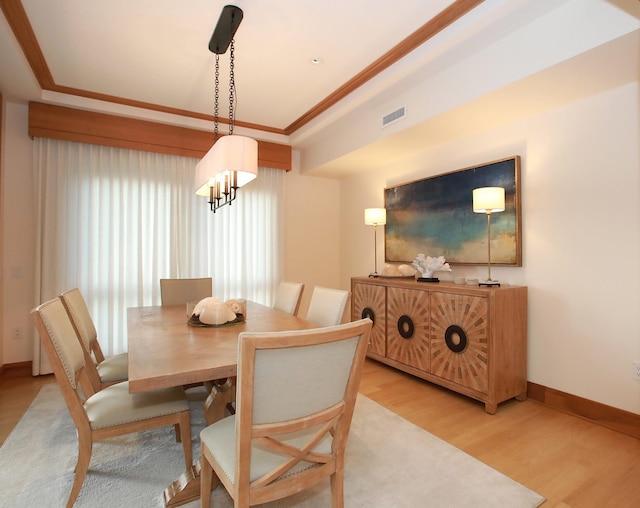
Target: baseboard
<point x="607" y="416"/>
<point x="601" y="414"/>
<point x="11" y="370"/>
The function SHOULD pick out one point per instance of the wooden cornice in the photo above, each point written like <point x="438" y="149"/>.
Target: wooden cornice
<point x="58" y="122"/>
<point x="17" y="19"/>
<point x="19" y="23"/>
<point x="435" y="25"/>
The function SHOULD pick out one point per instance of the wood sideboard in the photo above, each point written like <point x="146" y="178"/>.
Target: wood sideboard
<point x="470" y="339"/>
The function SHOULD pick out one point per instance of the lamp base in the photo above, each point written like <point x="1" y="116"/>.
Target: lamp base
<point x="374" y="275"/>
<point x="489" y="283"/>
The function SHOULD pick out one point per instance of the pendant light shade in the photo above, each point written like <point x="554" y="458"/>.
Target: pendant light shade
<point x="233" y="157"/>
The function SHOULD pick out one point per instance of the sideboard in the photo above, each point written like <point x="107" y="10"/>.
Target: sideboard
<point x="470" y="339"/>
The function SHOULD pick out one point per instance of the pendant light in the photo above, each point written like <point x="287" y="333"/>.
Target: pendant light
<point x="232" y="161"/>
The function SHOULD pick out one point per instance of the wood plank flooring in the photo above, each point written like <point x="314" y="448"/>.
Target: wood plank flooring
<point x="572" y="462"/>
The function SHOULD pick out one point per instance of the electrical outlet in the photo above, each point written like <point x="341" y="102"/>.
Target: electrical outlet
<point x="17" y="333"/>
<point x="636" y="370"/>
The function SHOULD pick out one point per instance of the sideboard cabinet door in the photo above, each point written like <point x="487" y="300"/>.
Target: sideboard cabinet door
<point x="370" y="301"/>
<point x="460" y="339"/>
<point x="408" y="327"/>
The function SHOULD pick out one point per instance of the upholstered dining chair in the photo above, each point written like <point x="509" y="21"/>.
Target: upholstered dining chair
<point x="112" y="411"/>
<point x="174" y="291"/>
<point x="288" y="297"/>
<point x="295" y="399"/>
<point x="102" y="371"/>
<point x="327" y="306"/>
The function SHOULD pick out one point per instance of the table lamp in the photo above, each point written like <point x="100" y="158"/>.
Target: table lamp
<point x="488" y="200"/>
<point x="375" y="217"/>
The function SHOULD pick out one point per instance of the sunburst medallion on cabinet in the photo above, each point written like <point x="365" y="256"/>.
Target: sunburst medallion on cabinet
<point x="369" y="301"/>
<point x="459" y="339"/>
<point x="408" y="327"/>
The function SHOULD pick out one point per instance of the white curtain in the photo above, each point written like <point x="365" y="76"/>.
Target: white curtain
<point x="113" y="222"/>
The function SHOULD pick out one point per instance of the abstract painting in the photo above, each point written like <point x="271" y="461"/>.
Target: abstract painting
<point x="434" y="216"/>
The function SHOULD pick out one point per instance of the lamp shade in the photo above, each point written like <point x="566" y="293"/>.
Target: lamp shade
<point x="488" y="199"/>
<point x="375" y="216"/>
<point x="230" y="153"/>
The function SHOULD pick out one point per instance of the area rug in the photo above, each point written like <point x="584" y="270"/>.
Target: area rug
<point x="391" y="463"/>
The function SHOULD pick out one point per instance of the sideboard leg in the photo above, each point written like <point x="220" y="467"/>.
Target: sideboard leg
<point x="491" y="408"/>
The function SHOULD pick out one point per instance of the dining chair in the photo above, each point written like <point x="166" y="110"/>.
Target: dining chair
<point x="175" y="291"/>
<point x="296" y="394"/>
<point x="327" y="306"/>
<point x="112" y="411"/>
<point x="103" y="371"/>
<point x="288" y="297"/>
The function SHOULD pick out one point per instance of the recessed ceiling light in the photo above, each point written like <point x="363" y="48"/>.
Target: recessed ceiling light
<point x="317" y="61"/>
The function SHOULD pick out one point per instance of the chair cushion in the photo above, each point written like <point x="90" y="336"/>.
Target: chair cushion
<point x="220" y="440"/>
<point x="114" y="405"/>
<point x="114" y="368"/>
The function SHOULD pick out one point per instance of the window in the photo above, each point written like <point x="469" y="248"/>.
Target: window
<point x="113" y="222"/>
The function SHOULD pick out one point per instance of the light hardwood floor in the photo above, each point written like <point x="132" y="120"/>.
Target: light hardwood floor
<point x="570" y="461"/>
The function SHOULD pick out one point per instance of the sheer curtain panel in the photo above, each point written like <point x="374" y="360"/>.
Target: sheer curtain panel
<point x="113" y="222"/>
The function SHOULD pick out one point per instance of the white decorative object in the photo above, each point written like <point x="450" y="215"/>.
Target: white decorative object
<point x="428" y="265"/>
<point x="211" y="311"/>
<point x="406" y="270"/>
<point x="391" y="271"/>
<point x="238" y="306"/>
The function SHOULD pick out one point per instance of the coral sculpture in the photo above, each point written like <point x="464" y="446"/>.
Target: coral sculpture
<point x="428" y="265"/>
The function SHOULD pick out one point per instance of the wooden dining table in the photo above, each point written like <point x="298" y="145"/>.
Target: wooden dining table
<point x="165" y="351"/>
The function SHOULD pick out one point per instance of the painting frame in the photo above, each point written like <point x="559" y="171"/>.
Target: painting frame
<point x="434" y="216"/>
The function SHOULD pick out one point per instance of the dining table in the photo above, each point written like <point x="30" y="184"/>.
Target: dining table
<point x="167" y="349"/>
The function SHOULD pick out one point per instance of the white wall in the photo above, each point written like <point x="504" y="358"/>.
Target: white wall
<point x="18" y="235"/>
<point x="581" y="236"/>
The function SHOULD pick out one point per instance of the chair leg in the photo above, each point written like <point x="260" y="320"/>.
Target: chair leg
<point x="176" y="427"/>
<point x="206" y="481"/>
<point x="184" y="431"/>
<point x="84" y="457"/>
<point x="337" y="489"/>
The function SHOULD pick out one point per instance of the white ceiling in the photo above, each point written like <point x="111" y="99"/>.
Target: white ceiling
<point x="155" y="52"/>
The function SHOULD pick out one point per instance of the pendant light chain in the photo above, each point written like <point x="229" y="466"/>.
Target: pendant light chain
<point x="232" y="88"/>
<point x="216" y="98"/>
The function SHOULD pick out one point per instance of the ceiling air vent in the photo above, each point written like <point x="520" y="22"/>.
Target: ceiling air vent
<point x="393" y="117"/>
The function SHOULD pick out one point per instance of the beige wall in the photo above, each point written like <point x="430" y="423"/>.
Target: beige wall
<point x="581" y="243"/>
<point x="18" y="236"/>
<point x="312" y="239"/>
<point x="1" y="223"/>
